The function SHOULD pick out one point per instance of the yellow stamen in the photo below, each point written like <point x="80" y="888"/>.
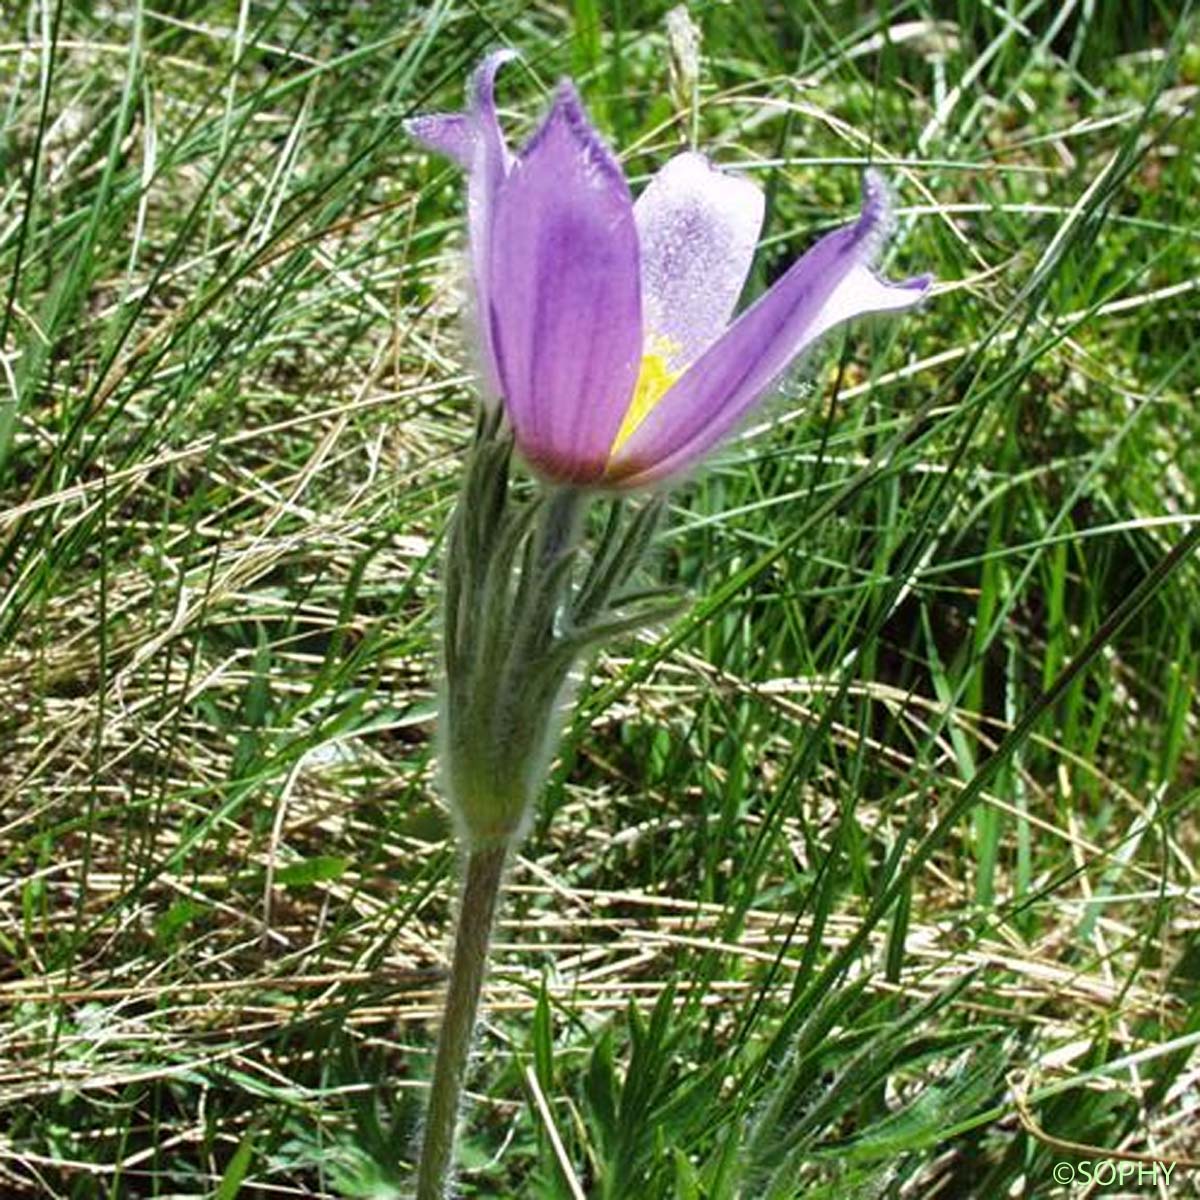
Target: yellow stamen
<point x="653" y="380"/>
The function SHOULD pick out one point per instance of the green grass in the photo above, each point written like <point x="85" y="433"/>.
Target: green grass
<point x="892" y="834"/>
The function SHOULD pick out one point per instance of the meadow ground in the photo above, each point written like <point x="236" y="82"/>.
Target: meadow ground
<point x="875" y="874"/>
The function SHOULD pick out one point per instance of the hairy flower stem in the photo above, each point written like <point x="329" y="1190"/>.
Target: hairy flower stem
<point x="476" y="914"/>
<point x="560" y="524"/>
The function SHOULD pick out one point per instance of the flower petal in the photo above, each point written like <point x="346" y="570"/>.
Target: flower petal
<point x="492" y="154"/>
<point x="450" y="134"/>
<point x="460" y="135"/>
<point x="565" y="311"/>
<point x="697" y="228"/>
<point x="830" y="284"/>
<point x="862" y="291"/>
<point x="476" y="142"/>
<point x="490" y="163"/>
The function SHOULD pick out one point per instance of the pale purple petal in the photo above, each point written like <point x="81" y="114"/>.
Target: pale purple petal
<point x="831" y="283"/>
<point x="862" y="291"/>
<point x="490" y="164"/>
<point x="565" y="315"/>
<point x="697" y="228"/>
<point x="460" y="135"/>
<point x="475" y="141"/>
<point x="450" y="134"/>
<point x="483" y="108"/>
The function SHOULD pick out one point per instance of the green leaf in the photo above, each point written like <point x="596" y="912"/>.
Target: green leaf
<point x="321" y="868"/>
<point x="585" y="42"/>
<point x="179" y="915"/>
<point x="257" y="701"/>
<point x="239" y="1165"/>
<point x="922" y="1123"/>
<point x="687" y="1181"/>
<point x="543" y="1041"/>
<point x="600" y="1087"/>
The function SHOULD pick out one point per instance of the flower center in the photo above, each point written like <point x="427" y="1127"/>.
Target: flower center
<point x="653" y="381"/>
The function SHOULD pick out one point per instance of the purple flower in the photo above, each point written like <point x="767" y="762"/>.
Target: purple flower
<point x="604" y="323"/>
